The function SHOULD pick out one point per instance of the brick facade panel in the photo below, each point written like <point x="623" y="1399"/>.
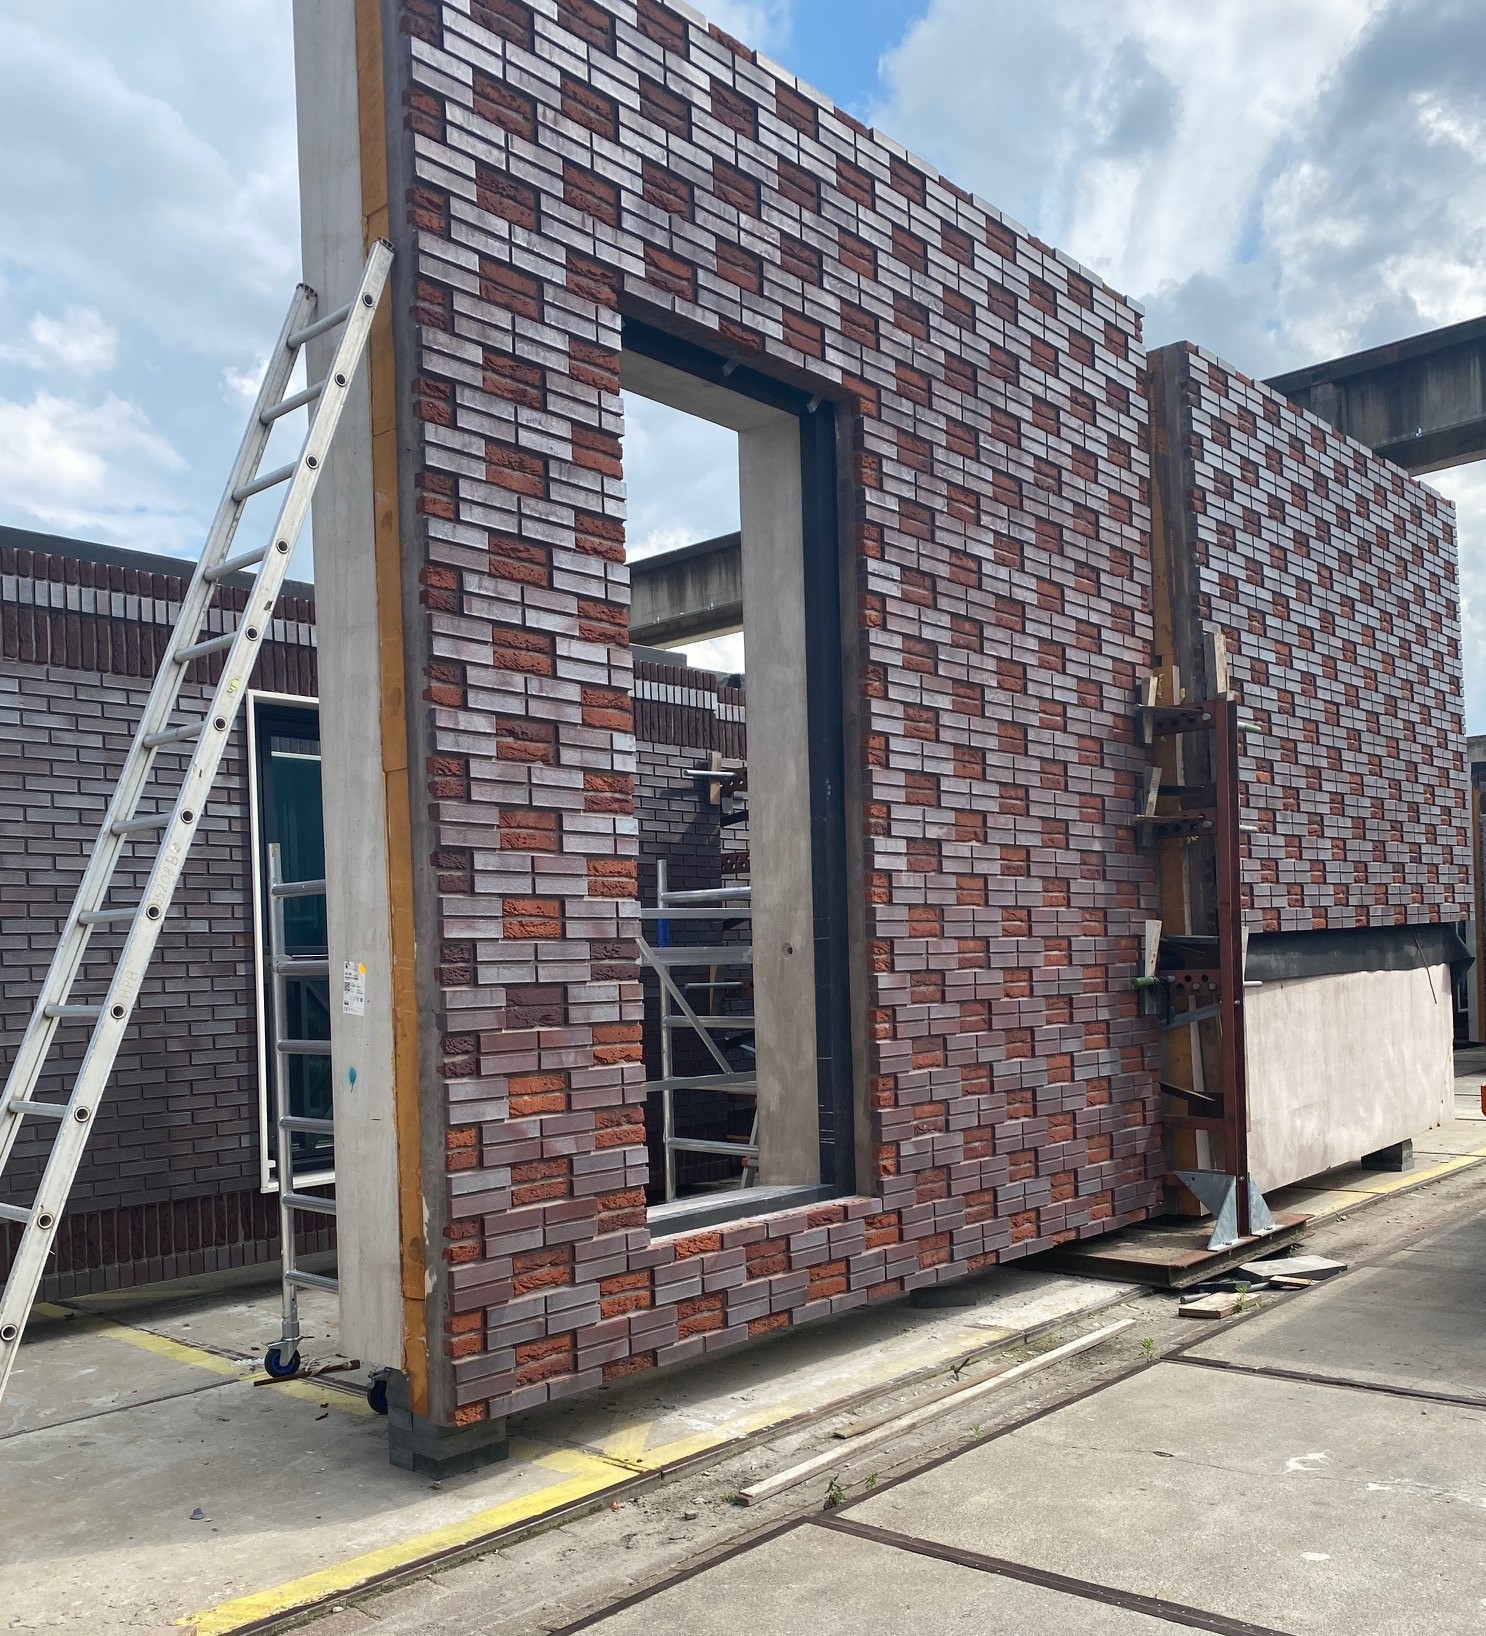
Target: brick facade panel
<point x="563" y="164"/>
<point x="1332" y="576"/>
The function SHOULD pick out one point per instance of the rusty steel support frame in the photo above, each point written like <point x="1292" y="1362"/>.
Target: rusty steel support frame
<point x="1227" y="1191"/>
<point x="1227" y="847"/>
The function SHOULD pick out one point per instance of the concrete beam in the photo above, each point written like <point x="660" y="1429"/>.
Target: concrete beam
<point x="1420" y="403"/>
<point x="686" y="595"/>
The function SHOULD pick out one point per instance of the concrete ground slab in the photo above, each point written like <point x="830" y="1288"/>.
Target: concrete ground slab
<point x="815" y="1578"/>
<point x="1415" y="1320"/>
<point x="73" y="1368"/>
<point x="299" y="1500"/>
<point x="1303" y="1508"/>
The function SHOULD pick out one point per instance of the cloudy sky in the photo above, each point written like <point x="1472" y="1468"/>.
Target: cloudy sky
<point x="1282" y="180"/>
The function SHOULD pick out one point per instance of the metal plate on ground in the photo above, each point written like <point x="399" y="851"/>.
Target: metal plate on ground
<point x="1169" y="1254"/>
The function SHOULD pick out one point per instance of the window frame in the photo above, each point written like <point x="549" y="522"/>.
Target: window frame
<point x="267" y="1175"/>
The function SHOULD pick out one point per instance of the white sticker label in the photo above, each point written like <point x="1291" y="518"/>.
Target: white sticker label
<point x="353" y="991"/>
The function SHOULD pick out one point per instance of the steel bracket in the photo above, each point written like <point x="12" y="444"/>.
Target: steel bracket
<point x="1217" y="1193"/>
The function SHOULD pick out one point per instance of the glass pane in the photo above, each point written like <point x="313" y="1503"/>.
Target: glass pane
<point x="292" y="816"/>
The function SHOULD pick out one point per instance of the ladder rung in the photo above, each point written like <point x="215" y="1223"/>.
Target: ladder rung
<point x="722" y="1024"/>
<point x="315" y="1127"/>
<point x="292" y="966"/>
<point x="304" y="1048"/>
<point x="743" y="1084"/>
<point x="14" y="1212"/>
<point x="311" y="1280"/>
<point x="73" y="1013"/>
<point x="269" y="480"/>
<point x="131" y="826"/>
<point x="734" y="954"/>
<point x="234" y="565"/>
<point x="175" y="735"/>
<point x="298" y="889"/>
<point x="289" y="405"/>
<point x="309" y="1203"/>
<point x="41" y="1110"/>
<point x="199" y="650"/>
<point x="725" y="911"/>
<point x="103" y="917"/>
<point x="298" y="337"/>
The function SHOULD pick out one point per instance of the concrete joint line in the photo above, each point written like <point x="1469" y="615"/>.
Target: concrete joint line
<point x="1303" y="1377"/>
<point x="1156" y="1607"/>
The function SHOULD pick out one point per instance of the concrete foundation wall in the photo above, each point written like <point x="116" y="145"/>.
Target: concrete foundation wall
<point x="1343" y="1065"/>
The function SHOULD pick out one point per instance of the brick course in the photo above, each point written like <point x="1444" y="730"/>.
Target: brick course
<point x="561" y="164"/>
<point x="169" y="1185"/>
<point x="1332" y="576"/>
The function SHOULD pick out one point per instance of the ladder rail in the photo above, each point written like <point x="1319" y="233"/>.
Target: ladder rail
<point x="195" y="786"/>
<point x="139" y="760"/>
<point x="292" y="1276"/>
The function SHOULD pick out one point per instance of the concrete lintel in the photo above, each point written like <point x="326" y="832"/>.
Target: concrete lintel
<point x="1419" y="402"/>
<point x="689" y="594"/>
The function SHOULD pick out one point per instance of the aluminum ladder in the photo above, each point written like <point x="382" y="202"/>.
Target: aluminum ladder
<point x="282" y="1358"/>
<point x="174" y="802"/>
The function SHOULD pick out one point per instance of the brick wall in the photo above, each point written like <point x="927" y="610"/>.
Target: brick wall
<point x="169" y="1185"/>
<point x="1332" y="576"/>
<point x="553" y="166"/>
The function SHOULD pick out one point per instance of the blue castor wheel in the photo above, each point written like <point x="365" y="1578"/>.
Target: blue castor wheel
<point x="376" y="1395"/>
<point x="277" y="1366"/>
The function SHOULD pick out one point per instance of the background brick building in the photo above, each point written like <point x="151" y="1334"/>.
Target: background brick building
<point x="171" y="1183"/>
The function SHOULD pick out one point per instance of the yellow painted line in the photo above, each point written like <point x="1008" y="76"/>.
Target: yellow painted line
<point x="625" y="1453"/>
<point x="197" y="1357"/>
<point x="1384" y="1186"/>
<point x="194" y="1357"/>
<point x="628" y="1443"/>
<point x="584" y="1475"/>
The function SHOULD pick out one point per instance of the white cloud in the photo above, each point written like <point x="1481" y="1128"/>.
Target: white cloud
<point x="149" y="203"/>
<point x="1131" y="133"/>
<point x="1280" y="183"/>
<point x="762" y="24"/>
<point x="99" y="470"/>
<point x="723" y="654"/>
<point x="681" y="478"/>
<point x="79" y="342"/>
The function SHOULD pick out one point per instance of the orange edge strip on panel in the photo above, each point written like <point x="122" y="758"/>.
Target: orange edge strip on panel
<point x="381" y="366"/>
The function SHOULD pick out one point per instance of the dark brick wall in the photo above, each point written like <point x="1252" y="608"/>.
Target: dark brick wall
<point x="554" y="166"/>
<point x="1333" y="578"/>
<point x="169" y="1185"/>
